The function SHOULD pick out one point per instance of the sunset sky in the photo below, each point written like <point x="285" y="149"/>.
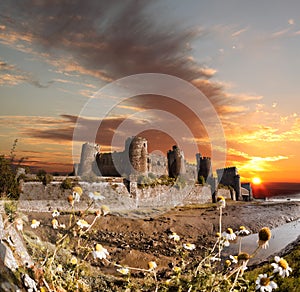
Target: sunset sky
<point x="242" y="55"/>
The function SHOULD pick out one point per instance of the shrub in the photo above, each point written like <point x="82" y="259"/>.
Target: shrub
<point x="8" y="183"/>
<point x="67" y="184"/>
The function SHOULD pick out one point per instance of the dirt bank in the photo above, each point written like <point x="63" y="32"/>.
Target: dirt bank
<point x="135" y="242"/>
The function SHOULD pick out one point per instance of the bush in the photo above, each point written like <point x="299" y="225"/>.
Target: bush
<point x="67" y="184"/>
<point x="44" y="177"/>
<point x="8" y="183"/>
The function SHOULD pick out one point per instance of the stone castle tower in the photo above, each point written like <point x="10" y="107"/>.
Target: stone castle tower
<point x="88" y="164"/>
<point x="203" y="166"/>
<point x="137" y="150"/>
<point x="176" y="163"/>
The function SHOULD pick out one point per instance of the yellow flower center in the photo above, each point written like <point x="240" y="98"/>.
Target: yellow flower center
<point x="229" y="231"/>
<point x="228" y="263"/>
<point x="264" y="234"/>
<point x="99" y="247"/>
<point x="242" y="228"/>
<point x="218" y="234"/>
<point x="243" y="256"/>
<point x="283" y="263"/>
<point x="152" y="265"/>
<point x="220" y="198"/>
<point x="264" y="281"/>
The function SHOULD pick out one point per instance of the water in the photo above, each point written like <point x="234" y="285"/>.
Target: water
<point x="281" y="237"/>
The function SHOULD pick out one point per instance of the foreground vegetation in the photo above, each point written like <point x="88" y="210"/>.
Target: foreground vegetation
<point x="78" y="262"/>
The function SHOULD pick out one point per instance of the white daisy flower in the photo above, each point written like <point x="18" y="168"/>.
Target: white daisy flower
<point x="234" y="259"/>
<point x="35" y="223"/>
<point x="281" y="267"/>
<point x="82" y="223"/>
<point x="221" y="203"/>
<point x="215" y="259"/>
<point x="105" y="210"/>
<point x="264" y="235"/>
<point x="152" y="265"/>
<point x="189" y="246"/>
<point x="96" y="196"/>
<point x="123" y="271"/>
<point x="242" y="231"/>
<point x="100" y="252"/>
<point x="54" y="223"/>
<point x="59" y="268"/>
<point x="263" y="283"/>
<point x="229" y="234"/>
<point x="55" y="213"/>
<point x="174" y="236"/>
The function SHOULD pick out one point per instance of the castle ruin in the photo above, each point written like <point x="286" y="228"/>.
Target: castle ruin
<point x="229" y="177"/>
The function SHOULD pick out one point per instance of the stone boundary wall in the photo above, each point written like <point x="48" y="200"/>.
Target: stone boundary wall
<point x="37" y="197"/>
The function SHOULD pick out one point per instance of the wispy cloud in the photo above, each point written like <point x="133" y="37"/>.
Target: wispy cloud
<point x="239" y="32"/>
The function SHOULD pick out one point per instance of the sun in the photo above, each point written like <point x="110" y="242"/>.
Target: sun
<point x="256" y="180"/>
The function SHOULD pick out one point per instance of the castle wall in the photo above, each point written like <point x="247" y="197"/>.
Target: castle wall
<point x="157" y="164"/>
<point x="229" y="177"/>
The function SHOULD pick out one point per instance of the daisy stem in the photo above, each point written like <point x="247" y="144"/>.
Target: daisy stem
<point x="220" y="230"/>
<point x="235" y="279"/>
<point x="240" y="245"/>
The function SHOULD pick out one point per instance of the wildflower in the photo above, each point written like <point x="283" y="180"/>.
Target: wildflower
<point x="215" y="259"/>
<point x="19" y="224"/>
<point x="71" y="200"/>
<point x="263" y="283"/>
<point x="218" y="234"/>
<point x="100" y="252"/>
<point x="55" y="213"/>
<point x="242" y="231"/>
<point x="105" y="210"/>
<point x="281" y="267"/>
<point x="264" y="235"/>
<point x="174" y="236"/>
<point x="168" y="282"/>
<point x="243" y="259"/>
<point x="54" y="224"/>
<point x="123" y="271"/>
<point x="77" y="192"/>
<point x="226" y="243"/>
<point x="59" y="268"/>
<point x="221" y="203"/>
<point x="177" y="269"/>
<point x="63" y="226"/>
<point x="229" y="234"/>
<point x="82" y="223"/>
<point x="96" y="196"/>
<point x="189" y="246"/>
<point x="35" y="223"/>
<point x="73" y="261"/>
<point x="228" y="263"/>
<point x="234" y="259"/>
<point x="152" y="265"/>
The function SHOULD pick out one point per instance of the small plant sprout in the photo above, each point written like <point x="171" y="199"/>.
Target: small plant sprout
<point x="55" y="214"/>
<point x="264" y="283"/>
<point x="35" y="223"/>
<point x="189" y="246"/>
<point x="281" y="267"/>
<point x="264" y="235"/>
<point x="54" y="223"/>
<point x="174" y="236"/>
<point x="100" y="252"/>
